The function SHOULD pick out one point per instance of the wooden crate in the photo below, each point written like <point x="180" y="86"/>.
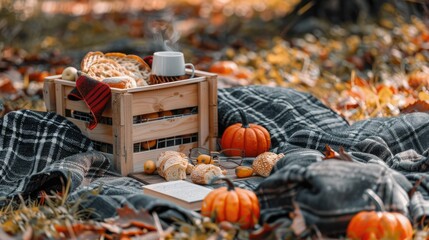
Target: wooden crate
<point x="124" y="128"/>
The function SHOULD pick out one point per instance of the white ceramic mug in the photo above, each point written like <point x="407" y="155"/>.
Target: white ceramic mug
<point x="170" y="63"/>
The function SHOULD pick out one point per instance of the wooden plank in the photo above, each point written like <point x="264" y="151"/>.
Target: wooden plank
<point x="53" y="77"/>
<point x="200" y="73"/>
<point x="128" y="133"/>
<point x="101" y="133"/>
<point x="203" y="114"/>
<point x="155" y="178"/>
<point x="65" y="82"/>
<point x="82" y="107"/>
<point x="199" y="76"/>
<point x="213" y="113"/>
<point x="76" y="105"/>
<point x="166" y="85"/>
<point x="73" y="84"/>
<point x="139" y="158"/>
<point x="59" y="98"/>
<point x="67" y="90"/>
<point x="119" y="147"/>
<point x="164" y="99"/>
<point x="169" y="127"/>
<point x="49" y="94"/>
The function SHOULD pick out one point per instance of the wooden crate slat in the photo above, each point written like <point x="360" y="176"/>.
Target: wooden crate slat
<point x="76" y="105"/>
<point x="128" y="128"/>
<point x="141" y="157"/>
<point x="163" y="128"/>
<point x="49" y="94"/>
<point x="101" y="133"/>
<point x="67" y="90"/>
<point x="81" y="106"/>
<point x="167" y="85"/>
<point x="118" y="135"/>
<point x="59" y="98"/>
<point x="165" y="99"/>
<point x="203" y="115"/>
<point x="122" y="132"/>
<point x="213" y="119"/>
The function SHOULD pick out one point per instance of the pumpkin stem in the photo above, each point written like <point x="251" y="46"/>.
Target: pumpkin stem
<point x="379" y="206"/>
<point x="244" y="121"/>
<point x="228" y="181"/>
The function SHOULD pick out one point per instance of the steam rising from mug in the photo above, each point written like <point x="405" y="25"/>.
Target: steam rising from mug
<point x="163" y="28"/>
<point x="170" y="64"/>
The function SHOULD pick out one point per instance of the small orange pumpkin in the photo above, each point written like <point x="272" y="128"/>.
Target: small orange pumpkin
<point x="252" y="138"/>
<point x="243" y="171"/>
<point x="379" y="224"/>
<point x="204" y="158"/>
<point x="224" y="67"/>
<point x="232" y="204"/>
<point x="149" y="167"/>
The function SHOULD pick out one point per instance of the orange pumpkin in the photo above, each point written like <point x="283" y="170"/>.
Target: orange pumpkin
<point x="225" y="67"/>
<point x="204" y="158"/>
<point x="252" y="138"/>
<point x="232" y="204"/>
<point x="243" y="171"/>
<point x="149" y="167"/>
<point x="379" y="224"/>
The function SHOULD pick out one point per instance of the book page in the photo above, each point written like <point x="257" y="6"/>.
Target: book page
<point x="186" y="191"/>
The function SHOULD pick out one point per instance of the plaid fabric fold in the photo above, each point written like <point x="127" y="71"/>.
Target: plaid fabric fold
<point x="32" y="141"/>
<point x="94" y="93"/>
<point x="301" y="127"/>
<point x="41" y="151"/>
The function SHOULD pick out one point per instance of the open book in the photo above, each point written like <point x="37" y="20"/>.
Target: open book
<point x="183" y="193"/>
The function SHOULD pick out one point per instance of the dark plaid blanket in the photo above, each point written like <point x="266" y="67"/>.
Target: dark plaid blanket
<point x="39" y="151"/>
<point x="389" y="155"/>
<point x="42" y="151"/>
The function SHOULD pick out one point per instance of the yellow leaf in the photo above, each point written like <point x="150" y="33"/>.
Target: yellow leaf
<point x="10" y="227"/>
<point x="424" y="96"/>
<point x="385" y="94"/>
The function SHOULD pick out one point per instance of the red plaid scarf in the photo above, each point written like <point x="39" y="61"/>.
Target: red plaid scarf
<point x="95" y="94"/>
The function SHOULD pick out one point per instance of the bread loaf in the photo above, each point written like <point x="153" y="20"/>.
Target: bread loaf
<point x="122" y="82"/>
<point x="204" y="173"/>
<point x="175" y="172"/>
<point x="89" y="59"/>
<point x="139" y="69"/>
<point x="163" y="157"/>
<point x="189" y="169"/>
<point x="172" y="165"/>
<point x="100" y="66"/>
<point x="264" y="163"/>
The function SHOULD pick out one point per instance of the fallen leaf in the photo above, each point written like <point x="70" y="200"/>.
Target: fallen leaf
<point x="330" y="153"/>
<point x="385" y="94"/>
<point x="344" y="155"/>
<point x="111" y="228"/>
<point x="133" y="231"/>
<point x="79" y="228"/>
<point x="417" y="106"/>
<point x="341" y="155"/>
<point x="414" y="188"/>
<point x="128" y="217"/>
<point x="264" y="232"/>
<point x="424" y="96"/>
<point x="298" y="222"/>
